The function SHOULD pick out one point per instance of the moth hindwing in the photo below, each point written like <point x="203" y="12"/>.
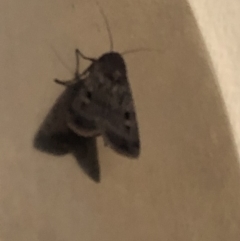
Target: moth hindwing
<point x="103" y="104"/>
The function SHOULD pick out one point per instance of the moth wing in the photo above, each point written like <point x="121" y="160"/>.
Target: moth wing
<point x="54" y="135"/>
<point x="120" y="127"/>
<point x="77" y="120"/>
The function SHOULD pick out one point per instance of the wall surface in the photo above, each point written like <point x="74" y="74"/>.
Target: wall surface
<point x="185" y="185"/>
<point x="218" y="22"/>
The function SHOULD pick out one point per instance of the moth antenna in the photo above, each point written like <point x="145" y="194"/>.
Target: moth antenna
<point x="107" y="26"/>
<point x="138" y="50"/>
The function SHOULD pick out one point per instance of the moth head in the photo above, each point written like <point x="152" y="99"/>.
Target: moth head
<point x="111" y="66"/>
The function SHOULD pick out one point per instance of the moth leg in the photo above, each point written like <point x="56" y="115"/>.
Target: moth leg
<point x="77" y="74"/>
<point x="80" y="54"/>
<point x="66" y="82"/>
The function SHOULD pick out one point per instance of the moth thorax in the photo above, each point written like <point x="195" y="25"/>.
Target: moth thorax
<point x="112" y="65"/>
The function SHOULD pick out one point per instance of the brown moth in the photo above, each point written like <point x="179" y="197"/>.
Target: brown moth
<point x="102" y="102"/>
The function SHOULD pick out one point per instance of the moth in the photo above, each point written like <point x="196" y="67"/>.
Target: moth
<point x="102" y="102"/>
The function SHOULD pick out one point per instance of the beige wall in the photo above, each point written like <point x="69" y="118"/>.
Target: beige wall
<point x="185" y="186"/>
<point x="218" y="22"/>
